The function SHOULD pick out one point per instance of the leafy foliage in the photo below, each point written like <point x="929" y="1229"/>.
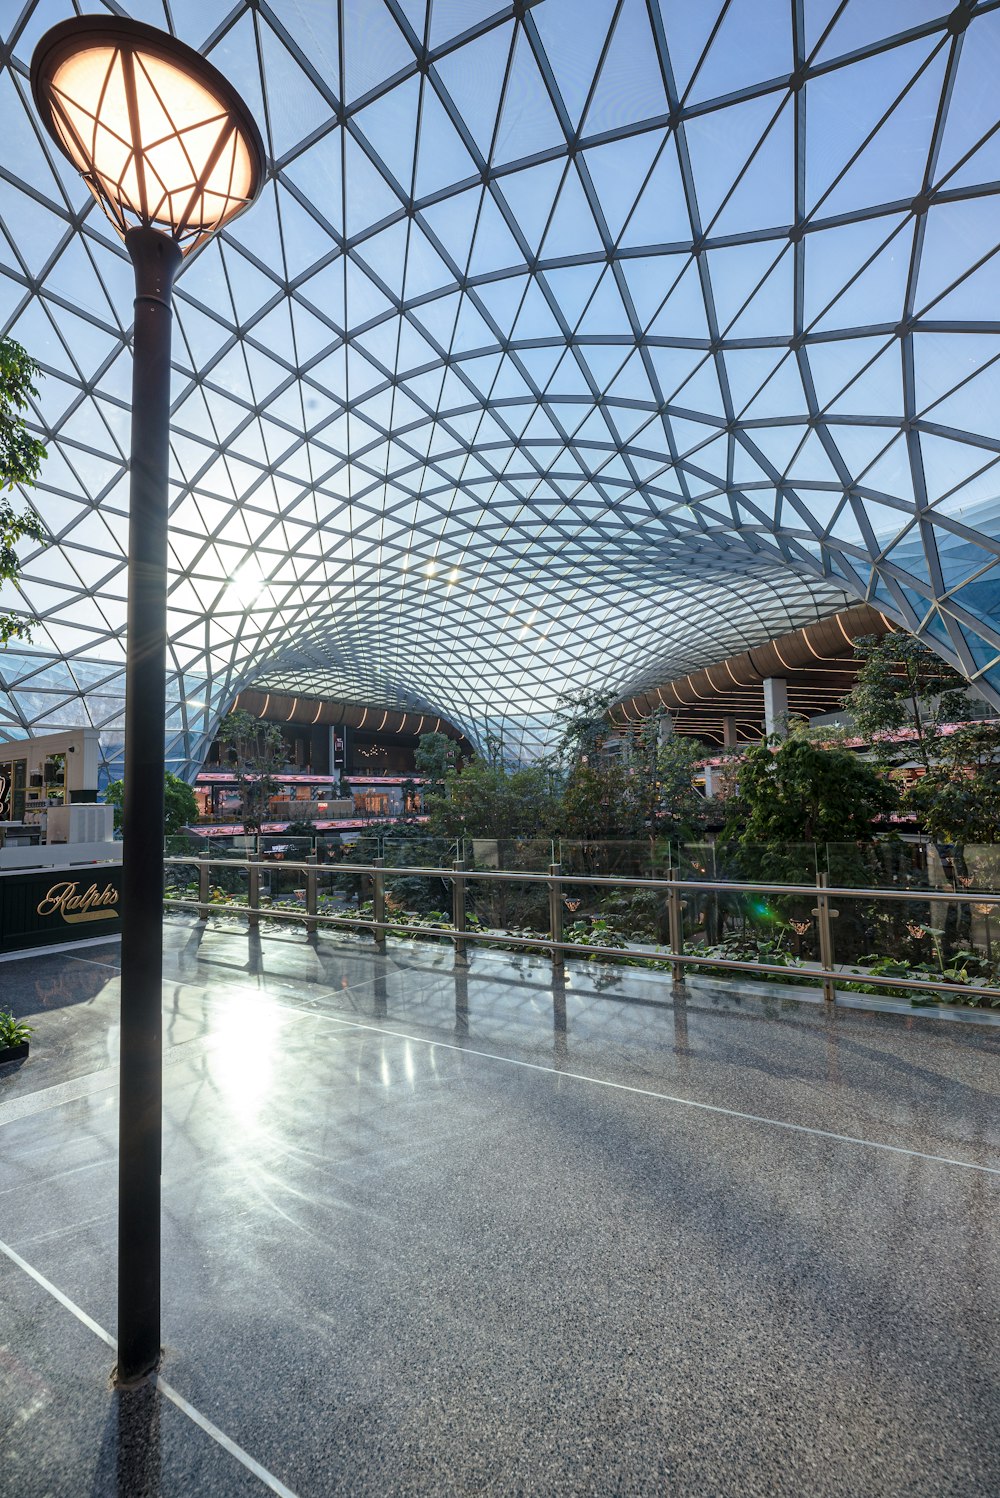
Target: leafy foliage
<point x="495" y="800"/>
<point x="12" y="1031"/>
<point x="584" y="721"/>
<point x="257" y="751"/>
<point x="302" y="828"/>
<point x="798" y="792"/>
<point x="958" y="798"/>
<point x="597" y="802"/>
<point x="180" y="805"/>
<point x="21" y="458"/>
<point x="646" y="789"/>
<point x="903" y="684"/>
<point x="436" y="754"/>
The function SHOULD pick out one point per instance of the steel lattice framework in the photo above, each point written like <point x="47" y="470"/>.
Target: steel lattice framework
<point x="573" y="345"/>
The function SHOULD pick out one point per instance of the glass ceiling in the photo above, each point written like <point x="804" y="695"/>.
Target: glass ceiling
<point x="572" y="345"/>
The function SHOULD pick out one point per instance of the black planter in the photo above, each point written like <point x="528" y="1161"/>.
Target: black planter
<point x="14" y="1052"/>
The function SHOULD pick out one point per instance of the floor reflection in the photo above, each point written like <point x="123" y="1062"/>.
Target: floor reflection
<point x="461" y="977"/>
<point x="681" y="1047"/>
<point x="560" y="1022"/>
<point x="380" y="997"/>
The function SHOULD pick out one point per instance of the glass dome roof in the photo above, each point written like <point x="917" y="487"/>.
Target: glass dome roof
<point x="572" y="345"/>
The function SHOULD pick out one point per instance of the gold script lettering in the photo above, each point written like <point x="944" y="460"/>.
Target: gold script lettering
<point x="92" y="905"/>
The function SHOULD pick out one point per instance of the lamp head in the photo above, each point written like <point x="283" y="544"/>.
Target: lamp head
<point x="162" y="140"/>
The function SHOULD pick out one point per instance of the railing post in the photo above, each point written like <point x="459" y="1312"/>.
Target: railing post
<point x="253" y="893"/>
<point x="458" y="908"/>
<point x="676" y="930"/>
<point x="556" y="915"/>
<point x="204" y="888"/>
<point x="822" y="914"/>
<point x="378" y="903"/>
<point x="311" y="882"/>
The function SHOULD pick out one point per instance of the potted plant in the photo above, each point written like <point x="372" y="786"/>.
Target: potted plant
<point x="13" y="1037"/>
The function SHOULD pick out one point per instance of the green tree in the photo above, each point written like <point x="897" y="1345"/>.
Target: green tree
<point x="902" y="684"/>
<point x="958" y="799"/>
<point x="681" y="809"/>
<point x="646" y="788"/>
<point x="584" y="723"/>
<point x="302" y="828"/>
<point x="21" y="458"/>
<point x="598" y="803"/>
<point x="435" y="755"/>
<point x="256" y="750"/>
<point x="180" y="805"/>
<point x="485" y="800"/>
<point x="797" y="792"/>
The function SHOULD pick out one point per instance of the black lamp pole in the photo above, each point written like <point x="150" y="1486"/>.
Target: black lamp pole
<point x="155" y="259"/>
<point x="214" y="163"/>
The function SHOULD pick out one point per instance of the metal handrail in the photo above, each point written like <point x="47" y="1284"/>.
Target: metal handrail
<point x="555" y="879"/>
<point x="631" y="881"/>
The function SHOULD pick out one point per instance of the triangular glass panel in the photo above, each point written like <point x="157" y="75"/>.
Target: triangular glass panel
<point x="618" y="171"/>
<point x="683" y="313"/>
<point x="442" y="158"/>
<point x="390" y="125"/>
<point x="675" y="366"/>
<point x="370" y="199"/>
<point x="530" y="195"/>
<point x="296" y="108"/>
<point x="494" y="246"/>
<point x="891" y="473"/>
<point x="878" y="391"/>
<point x="528" y="122"/>
<point x="574" y="51"/>
<point x="722" y="144"/>
<point x="859" y="26"/>
<point x="473" y="77"/>
<point x="661" y="215"/>
<point x="753" y="41"/>
<point x="764" y="382"/>
<point x="453" y="222"/>
<point x="763" y="197"/>
<point x="606" y="312"/>
<point x="845" y="104"/>
<point x="573" y="286"/>
<point x="768" y="314"/>
<point x="374" y="48"/>
<point x="630" y="85"/>
<point x="572" y="230"/>
<point x="319" y="173"/>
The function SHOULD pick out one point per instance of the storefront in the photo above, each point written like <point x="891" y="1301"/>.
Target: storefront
<point x="297" y="798"/>
<point x="44" y="907"/>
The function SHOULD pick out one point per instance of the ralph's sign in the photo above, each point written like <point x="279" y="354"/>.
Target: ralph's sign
<point x="43" y="907"/>
<point x="77" y="904"/>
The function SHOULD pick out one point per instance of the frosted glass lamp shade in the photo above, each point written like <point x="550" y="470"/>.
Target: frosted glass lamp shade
<point x="159" y="136"/>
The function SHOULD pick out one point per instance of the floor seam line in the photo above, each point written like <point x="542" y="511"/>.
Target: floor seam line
<point x="776" y="1123"/>
<point x="666" y="1097"/>
<point x="10" y="1113"/>
<point x="160" y="1384"/>
<point x="90" y="1083"/>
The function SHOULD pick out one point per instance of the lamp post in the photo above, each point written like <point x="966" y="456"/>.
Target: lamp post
<point x="170" y="152"/>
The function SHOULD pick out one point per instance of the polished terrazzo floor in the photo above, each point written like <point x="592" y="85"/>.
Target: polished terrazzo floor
<point x="439" y="1229"/>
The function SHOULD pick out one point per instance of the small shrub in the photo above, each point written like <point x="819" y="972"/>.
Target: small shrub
<point x="12" y="1031"/>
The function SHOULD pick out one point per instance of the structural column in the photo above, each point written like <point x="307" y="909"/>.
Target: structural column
<point x="729" y="738"/>
<point x="776" y="706"/>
